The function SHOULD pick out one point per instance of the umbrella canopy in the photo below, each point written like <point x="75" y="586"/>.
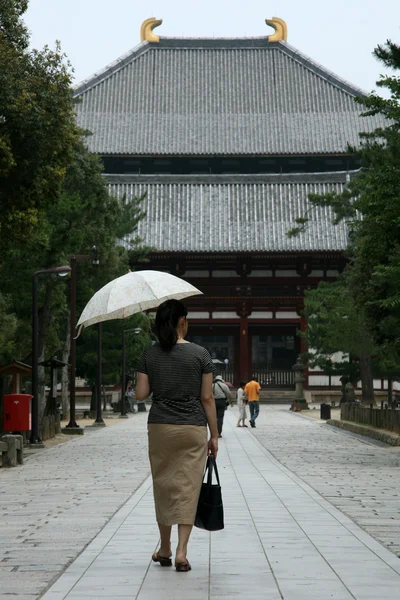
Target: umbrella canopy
<point x="133" y="293"/>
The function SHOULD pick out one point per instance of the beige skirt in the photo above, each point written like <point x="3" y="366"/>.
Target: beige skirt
<point x="177" y="457"/>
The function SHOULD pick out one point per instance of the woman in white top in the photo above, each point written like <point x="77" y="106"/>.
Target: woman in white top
<point x="242" y="400"/>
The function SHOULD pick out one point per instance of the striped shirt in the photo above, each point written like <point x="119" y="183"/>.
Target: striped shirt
<point x="175" y="379"/>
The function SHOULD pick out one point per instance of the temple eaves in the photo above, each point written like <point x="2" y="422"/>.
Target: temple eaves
<point x="147" y="35"/>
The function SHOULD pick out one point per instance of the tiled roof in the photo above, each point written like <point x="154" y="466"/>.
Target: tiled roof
<point x="225" y="97"/>
<point x="233" y="213"/>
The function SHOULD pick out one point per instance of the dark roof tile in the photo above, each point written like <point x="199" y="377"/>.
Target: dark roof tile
<point x="231" y="214"/>
<point x="204" y="97"/>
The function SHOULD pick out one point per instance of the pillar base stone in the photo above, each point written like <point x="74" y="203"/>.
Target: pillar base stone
<point x="72" y="430"/>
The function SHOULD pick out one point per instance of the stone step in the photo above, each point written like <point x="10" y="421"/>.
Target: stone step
<point x="277" y="400"/>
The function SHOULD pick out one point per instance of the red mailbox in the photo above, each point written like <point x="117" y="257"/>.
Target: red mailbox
<point x="17" y="413"/>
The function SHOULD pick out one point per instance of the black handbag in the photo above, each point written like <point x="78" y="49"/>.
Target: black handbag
<point x="210" y="510"/>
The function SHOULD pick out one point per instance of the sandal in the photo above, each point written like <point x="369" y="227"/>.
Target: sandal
<point x="183" y="567"/>
<point x="163" y="560"/>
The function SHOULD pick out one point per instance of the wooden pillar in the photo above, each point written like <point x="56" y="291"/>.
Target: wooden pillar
<point x="304" y="347"/>
<point x="244" y="349"/>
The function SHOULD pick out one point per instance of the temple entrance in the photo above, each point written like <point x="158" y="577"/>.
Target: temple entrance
<point x="222" y="342"/>
<point x="274" y="350"/>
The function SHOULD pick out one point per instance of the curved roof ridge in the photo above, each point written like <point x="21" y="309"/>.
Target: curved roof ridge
<point x="327" y="74"/>
<point x="112" y="67"/>
<point x="216" y="38"/>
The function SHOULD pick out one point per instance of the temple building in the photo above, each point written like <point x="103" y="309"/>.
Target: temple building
<point x="227" y="138"/>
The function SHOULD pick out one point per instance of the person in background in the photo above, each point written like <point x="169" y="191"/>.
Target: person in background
<point x="179" y="374"/>
<point x="131" y="399"/>
<point x="252" y="389"/>
<point x="222" y="397"/>
<point x="242" y="401"/>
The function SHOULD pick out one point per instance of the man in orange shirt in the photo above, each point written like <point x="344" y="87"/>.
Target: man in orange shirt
<point x="252" y="389"/>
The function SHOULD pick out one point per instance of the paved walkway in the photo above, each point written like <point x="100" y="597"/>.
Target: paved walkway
<point x="282" y="539"/>
<point x="356" y="474"/>
<point x="54" y="505"/>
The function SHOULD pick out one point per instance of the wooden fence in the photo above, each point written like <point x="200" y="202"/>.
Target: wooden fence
<point x="274" y="378"/>
<point x="383" y="418"/>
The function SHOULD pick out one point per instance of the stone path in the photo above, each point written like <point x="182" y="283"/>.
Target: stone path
<point x="283" y="536"/>
<point x="54" y="505"/>
<point x="356" y="474"/>
<point x="282" y="540"/>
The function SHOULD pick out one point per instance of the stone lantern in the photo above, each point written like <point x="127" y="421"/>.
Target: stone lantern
<point x="299" y="379"/>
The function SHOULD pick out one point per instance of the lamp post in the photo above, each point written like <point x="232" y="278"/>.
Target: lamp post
<point x="35" y="438"/>
<point x="99" y="422"/>
<point x="73" y="427"/>
<point x="136" y="330"/>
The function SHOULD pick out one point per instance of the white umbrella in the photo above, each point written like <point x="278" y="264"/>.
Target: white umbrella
<point x="133" y="293"/>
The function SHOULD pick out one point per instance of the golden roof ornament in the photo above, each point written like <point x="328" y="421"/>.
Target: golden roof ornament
<point x="280" y="29"/>
<point x="146" y="30"/>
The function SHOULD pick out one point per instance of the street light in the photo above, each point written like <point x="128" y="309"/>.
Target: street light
<point x="136" y="330"/>
<point x="35" y="438"/>
<point x="73" y="427"/>
<point x="99" y="422"/>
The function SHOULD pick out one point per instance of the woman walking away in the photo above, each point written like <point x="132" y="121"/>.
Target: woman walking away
<point x="242" y="401"/>
<point x="179" y="374"/>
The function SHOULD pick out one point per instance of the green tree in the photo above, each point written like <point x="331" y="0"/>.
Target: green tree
<point x="371" y="205"/>
<point x="8" y="328"/>
<point x="336" y="324"/>
<point x="54" y="200"/>
<point x="85" y="215"/>
<point x="112" y="348"/>
<point x="38" y="131"/>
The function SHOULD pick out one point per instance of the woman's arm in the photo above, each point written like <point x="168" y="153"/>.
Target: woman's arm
<point x="208" y="402"/>
<point x="142" y="389"/>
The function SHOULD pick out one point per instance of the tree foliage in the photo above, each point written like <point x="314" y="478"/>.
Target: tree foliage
<point x="371" y="205"/>
<point x="38" y="131"/>
<point x="337" y="325"/>
<point x="54" y="204"/>
<point x="84" y="216"/>
<point x="8" y="328"/>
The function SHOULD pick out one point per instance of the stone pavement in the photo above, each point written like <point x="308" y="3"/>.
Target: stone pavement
<point x="54" y="505"/>
<point x="356" y="474"/>
<point x="283" y="538"/>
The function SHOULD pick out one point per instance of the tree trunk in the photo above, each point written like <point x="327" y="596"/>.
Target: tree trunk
<point x="2" y="387"/>
<point x="41" y="391"/>
<point x="93" y="400"/>
<point x="367" y="380"/>
<point x="44" y="322"/>
<point x="65" y="375"/>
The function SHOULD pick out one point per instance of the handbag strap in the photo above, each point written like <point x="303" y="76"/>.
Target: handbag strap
<point x="210" y="467"/>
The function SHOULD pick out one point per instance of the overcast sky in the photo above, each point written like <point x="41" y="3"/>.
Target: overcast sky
<point x="340" y="35"/>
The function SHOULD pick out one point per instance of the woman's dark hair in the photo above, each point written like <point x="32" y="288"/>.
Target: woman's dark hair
<point x="168" y="315"/>
<point x="242" y="383"/>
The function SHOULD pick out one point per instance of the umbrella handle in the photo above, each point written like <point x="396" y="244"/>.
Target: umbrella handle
<point x="79" y="332"/>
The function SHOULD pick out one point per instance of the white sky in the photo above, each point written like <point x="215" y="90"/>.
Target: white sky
<point x="340" y="35"/>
